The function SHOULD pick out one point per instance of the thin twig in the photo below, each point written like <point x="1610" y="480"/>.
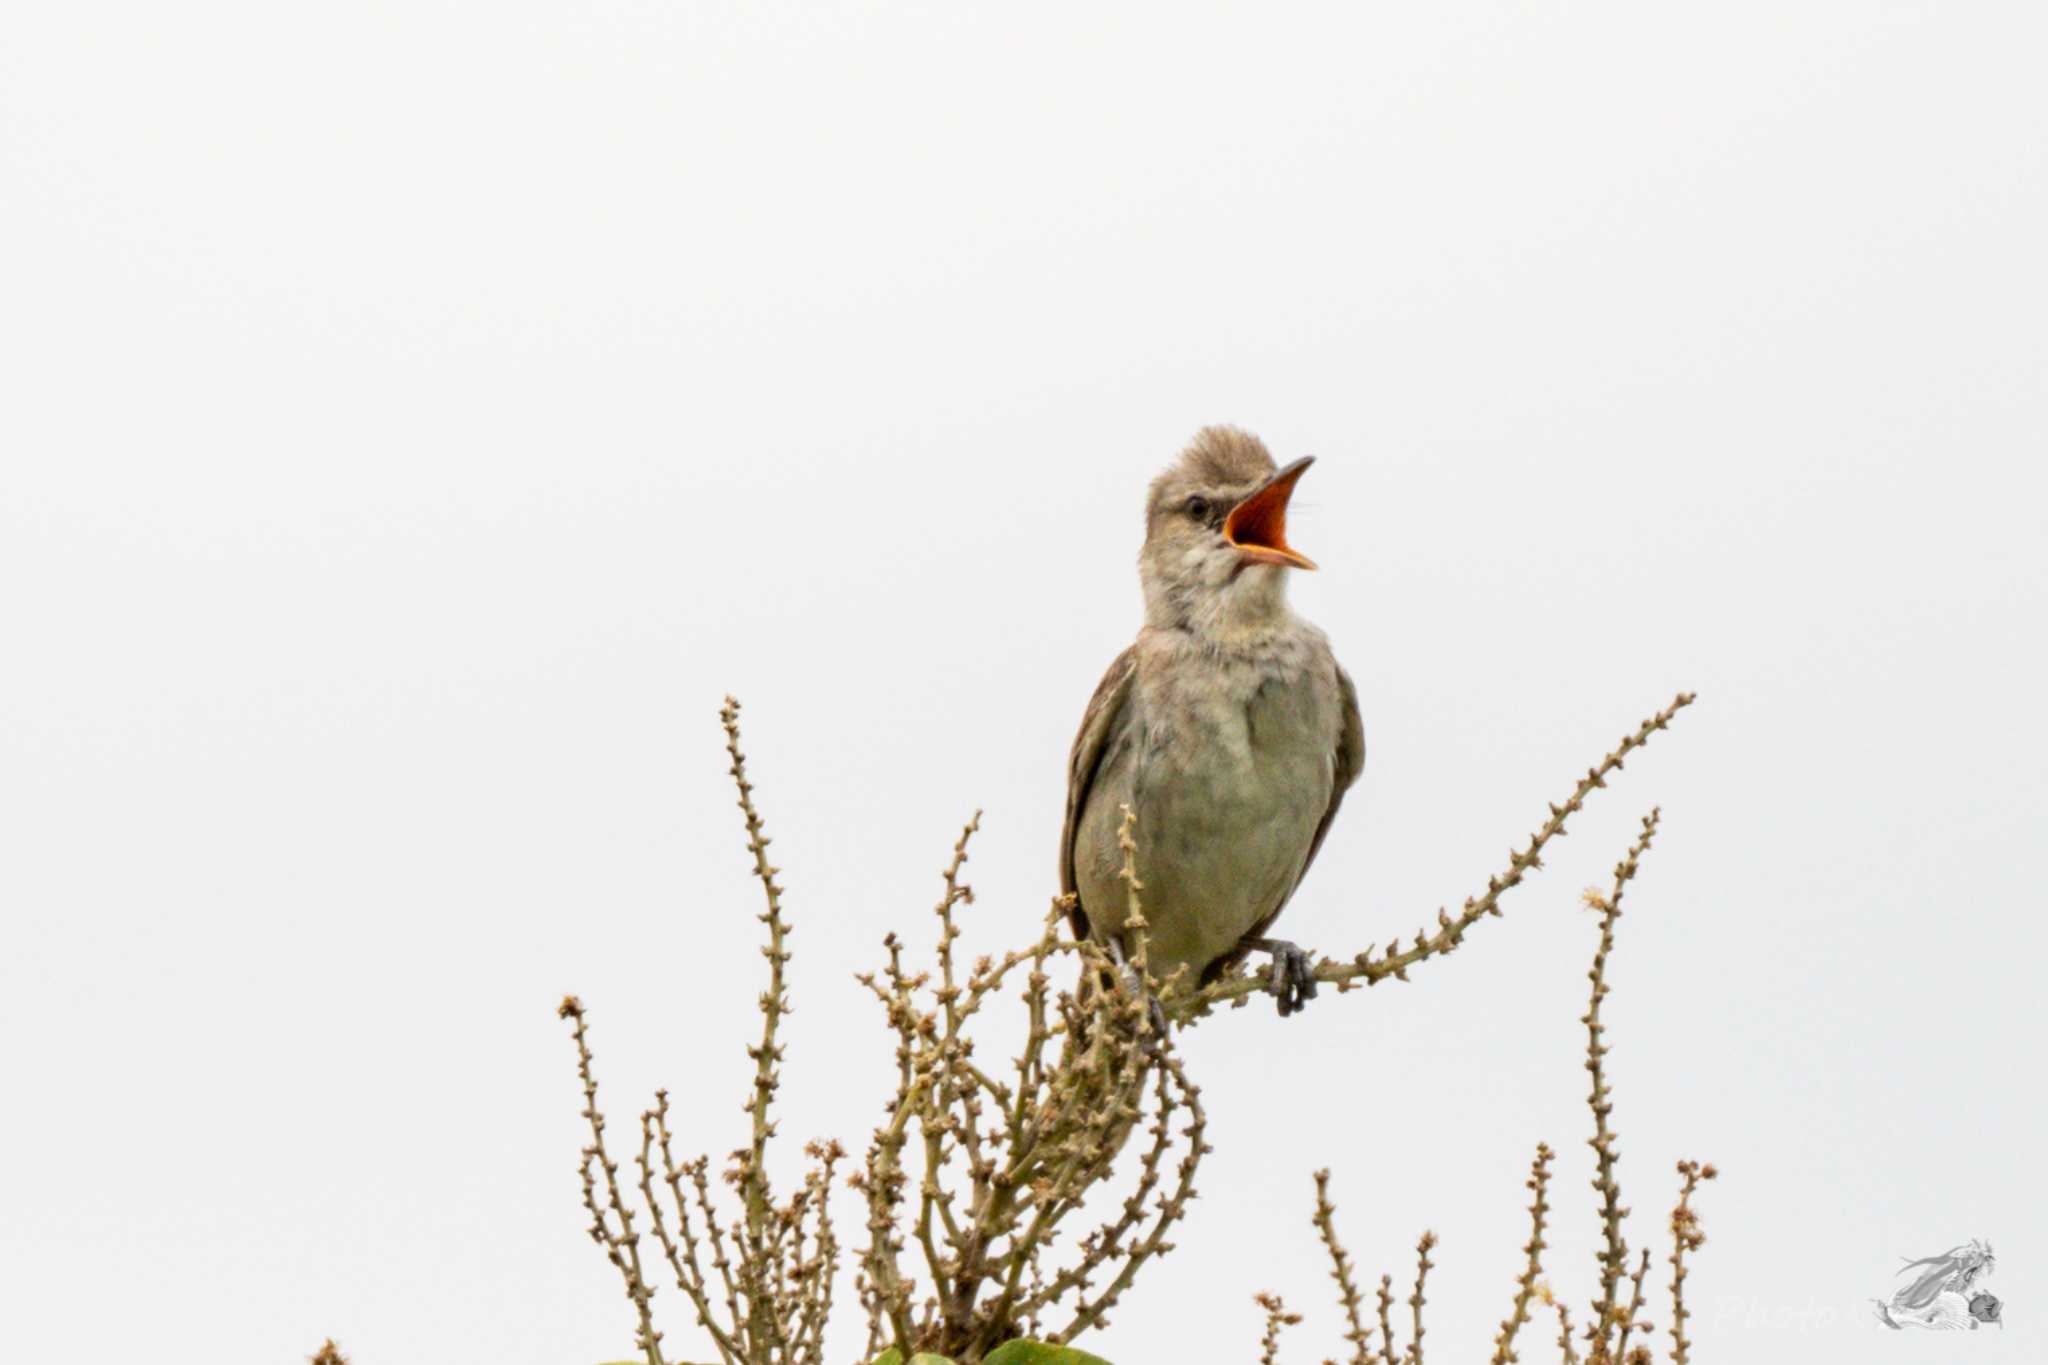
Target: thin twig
<point x="1613" y="1256"/>
<point x="622" y="1245"/>
<point x="1564" y="1329"/>
<point x="763" y="1322"/>
<point x="681" y="1248"/>
<point x="1630" y="1319"/>
<point x="1415" y="1300"/>
<point x="1386" y="1320"/>
<point x="1685" y="1236"/>
<point x="1277" y="1317"/>
<point x="1532" y="1271"/>
<point x="1325" y="1220"/>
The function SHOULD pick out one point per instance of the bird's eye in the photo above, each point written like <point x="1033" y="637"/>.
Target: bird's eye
<point x="1198" y="508"/>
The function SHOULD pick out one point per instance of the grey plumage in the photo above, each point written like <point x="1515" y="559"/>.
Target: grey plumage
<point x="1228" y="726"/>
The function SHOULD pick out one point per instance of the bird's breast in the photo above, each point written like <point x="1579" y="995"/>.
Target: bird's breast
<point x="1243" y="722"/>
<point x="1230" y="775"/>
<point x="1214" y="760"/>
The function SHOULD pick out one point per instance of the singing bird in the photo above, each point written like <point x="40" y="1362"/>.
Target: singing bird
<point x="1228" y="728"/>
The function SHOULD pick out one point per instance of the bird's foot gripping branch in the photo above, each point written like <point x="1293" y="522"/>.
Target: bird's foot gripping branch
<point x="973" y="1185"/>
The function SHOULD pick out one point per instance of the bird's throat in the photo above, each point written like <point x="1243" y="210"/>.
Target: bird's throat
<point x="1247" y="606"/>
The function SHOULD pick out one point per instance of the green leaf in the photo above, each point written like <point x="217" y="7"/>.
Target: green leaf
<point x="1021" y="1352"/>
<point x="892" y="1356"/>
<point x="927" y="1358"/>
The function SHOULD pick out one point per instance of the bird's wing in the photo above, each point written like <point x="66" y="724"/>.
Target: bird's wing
<point x="1097" y="725"/>
<point x="1346" y="763"/>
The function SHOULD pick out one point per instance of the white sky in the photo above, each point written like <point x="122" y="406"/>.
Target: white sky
<point x="417" y="416"/>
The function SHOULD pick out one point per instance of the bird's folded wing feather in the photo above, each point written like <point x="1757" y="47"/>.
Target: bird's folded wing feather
<point x="1346" y="764"/>
<point x="1098" y="723"/>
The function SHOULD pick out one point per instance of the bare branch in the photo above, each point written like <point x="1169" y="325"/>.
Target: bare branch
<point x="620" y="1242"/>
<point x="1525" y="1287"/>
<point x="1415" y="1300"/>
<point x="1386" y="1320"/>
<point x="1395" y="960"/>
<point x="1277" y="1317"/>
<point x="1325" y="1221"/>
<point x="1613" y="1257"/>
<point x="1685" y="1236"/>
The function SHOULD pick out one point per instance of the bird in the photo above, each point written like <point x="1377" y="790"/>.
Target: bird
<point x="1227" y="728"/>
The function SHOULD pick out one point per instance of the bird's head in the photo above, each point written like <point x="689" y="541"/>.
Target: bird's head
<point x="1216" y="554"/>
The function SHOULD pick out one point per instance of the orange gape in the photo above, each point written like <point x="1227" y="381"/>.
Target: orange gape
<point x="1258" y="525"/>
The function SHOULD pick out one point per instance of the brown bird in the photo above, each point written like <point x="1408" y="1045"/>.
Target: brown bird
<point x="1227" y="727"/>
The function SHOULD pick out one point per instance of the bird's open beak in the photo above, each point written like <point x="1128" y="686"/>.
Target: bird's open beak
<point x="1258" y="525"/>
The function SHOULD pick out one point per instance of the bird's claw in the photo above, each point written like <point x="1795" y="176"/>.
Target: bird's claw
<point x="1155" y="1013"/>
<point x="1292" y="977"/>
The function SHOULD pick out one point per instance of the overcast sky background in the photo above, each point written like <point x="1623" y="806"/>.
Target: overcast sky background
<point x="417" y="416"/>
